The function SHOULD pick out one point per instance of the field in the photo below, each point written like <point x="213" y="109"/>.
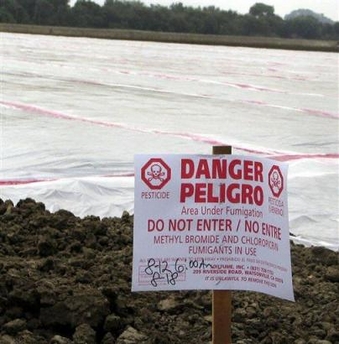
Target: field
<point x="255" y="42"/>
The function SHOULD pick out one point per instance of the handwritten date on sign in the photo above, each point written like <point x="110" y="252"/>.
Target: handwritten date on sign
<point x="161" y="271"/>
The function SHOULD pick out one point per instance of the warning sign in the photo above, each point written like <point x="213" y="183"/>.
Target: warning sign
<point x="211" y="222"/>
<point x="276" y="181"/>
<point x="155" y="173"/>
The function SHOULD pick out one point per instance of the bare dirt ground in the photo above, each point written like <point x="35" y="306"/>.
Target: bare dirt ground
<point x="67" y="280"/>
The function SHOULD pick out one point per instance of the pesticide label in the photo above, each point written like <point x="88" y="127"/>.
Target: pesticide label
<point x="215" y="222"/>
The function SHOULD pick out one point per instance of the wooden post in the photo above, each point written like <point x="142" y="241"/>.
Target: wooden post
<point x="221" y="299"/>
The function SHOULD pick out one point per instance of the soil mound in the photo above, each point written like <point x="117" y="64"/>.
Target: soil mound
<point x="67" y="280"/>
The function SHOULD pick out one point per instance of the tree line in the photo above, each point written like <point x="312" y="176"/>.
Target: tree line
<point x="119" y="14"/>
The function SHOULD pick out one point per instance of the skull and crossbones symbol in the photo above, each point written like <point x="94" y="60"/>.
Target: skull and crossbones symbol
<point x="156" y="173"/>
<point x="276" y="182"/>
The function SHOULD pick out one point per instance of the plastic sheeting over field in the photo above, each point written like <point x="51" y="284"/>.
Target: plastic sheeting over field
<point x="74" y="111"/>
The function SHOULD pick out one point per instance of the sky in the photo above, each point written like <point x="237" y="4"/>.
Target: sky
<point x="330" y="8"/>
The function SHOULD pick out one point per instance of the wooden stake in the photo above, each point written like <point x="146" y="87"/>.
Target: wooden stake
<point x="221" y="313"/>
<point x="221" y="299"/>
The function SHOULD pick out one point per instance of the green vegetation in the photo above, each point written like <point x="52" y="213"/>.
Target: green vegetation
<point x="170" y="37"/>
<point x="177" y="18"/>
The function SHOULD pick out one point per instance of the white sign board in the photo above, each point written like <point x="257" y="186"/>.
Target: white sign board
<point x="215" y="222"/>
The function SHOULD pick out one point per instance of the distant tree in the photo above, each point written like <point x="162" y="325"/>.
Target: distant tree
<point x="86" y="13"/>
<point x="29" y="7"/>
<point x="261" y="10"/>
<point x="253" y="26"/>
<point x="12" y="11"/>
<point x="177" y="7"/>
<point x="50" y="12"/>
<point x="262" y="21"/>
<point x="228" y="23"/>
<point x="213" y="20"/>
<point x="336" y="30"/>
<point x="303" y="27"/>
<point x="6" y="16"/>
<point x="140" y="15"/>
<point x="195" y="19"/>
<point x="118" y="14"/>
<point x="177" y="23"/>
<point x="327" y="31"/>
<point x="158" y="20"/>
<point x="130" y="14"/>
<point x="62" y="12"/>
<point x="43" y="13"/>
<point x="308" y="13"/>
